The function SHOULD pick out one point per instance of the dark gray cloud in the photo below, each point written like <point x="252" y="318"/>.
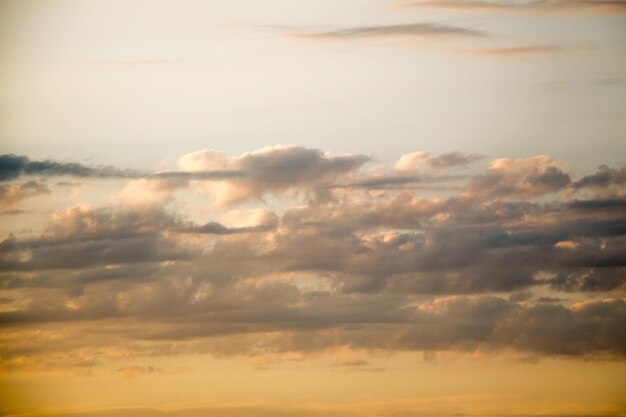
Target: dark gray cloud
<point x="13" y="166"/>
<point x="604" y="178"/>
<point x="614" y="204"/>
<point x="592" y="280"/>
<point x="398" y="182"/>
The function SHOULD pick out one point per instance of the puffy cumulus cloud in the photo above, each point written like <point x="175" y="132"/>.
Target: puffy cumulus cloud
<point x="491" y="267"/>
<point x="272" y="169"/>
<point x="519" y="178"/>
<point x="411" y="161"/>
<point x="87" y="222"/>
<point x="204" y="160"/>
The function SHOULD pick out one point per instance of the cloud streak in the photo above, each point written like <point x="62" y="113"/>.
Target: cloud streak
<point x="408" y="30"/>
<point x="531" y="6"/>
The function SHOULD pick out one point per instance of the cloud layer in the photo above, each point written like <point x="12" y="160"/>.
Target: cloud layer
<point x="524" y="257"/>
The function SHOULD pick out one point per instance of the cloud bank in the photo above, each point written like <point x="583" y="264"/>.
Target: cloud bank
<point x="524" y="256"/>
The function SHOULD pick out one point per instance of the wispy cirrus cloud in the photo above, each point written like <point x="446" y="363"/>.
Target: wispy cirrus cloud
<point x="518" y="51"/>
<point x="530" y="6"/>
<point x="406" y="30"/>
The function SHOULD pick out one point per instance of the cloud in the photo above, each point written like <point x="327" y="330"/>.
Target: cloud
<point x="83" y="236"/>
<point x="523" y="178"/>
<point x="616" y="204"/>
<point x="453" y="159"/>
<point x="13" y="166"/>
<point x="515" y="51"/>
<point x="409" y="30"/>
<point x="531" y="6"/>
<point x="134" y="371"/>
<point x="267" y="223"/>
<point x="593" y="280"/>
<point x="237" y="179"/>
<point x="13" y="194"/>
<point x="402" y="180"/>
<point x="412" y="161"/>
<point x="419" y="160"/>
<point x="376" y="266"/>
<point x="272" y="170"/>
<point x="605" y="181"/>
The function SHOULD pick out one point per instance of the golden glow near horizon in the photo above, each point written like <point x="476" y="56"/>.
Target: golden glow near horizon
<point x="355" y="208"/>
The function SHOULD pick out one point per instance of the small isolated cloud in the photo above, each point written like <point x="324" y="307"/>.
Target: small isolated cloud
<point x="409" y="30"/>
<point x="135" y="371"/>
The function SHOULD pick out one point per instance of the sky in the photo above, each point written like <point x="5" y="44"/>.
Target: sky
<point x="335" y="208"/>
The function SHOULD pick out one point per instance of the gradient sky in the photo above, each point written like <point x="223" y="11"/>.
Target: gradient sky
<point x="329" y="208"/>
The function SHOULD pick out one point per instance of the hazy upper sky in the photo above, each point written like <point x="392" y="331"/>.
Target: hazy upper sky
<point x="330" y="208"/>
<point x="133" y="82"/>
